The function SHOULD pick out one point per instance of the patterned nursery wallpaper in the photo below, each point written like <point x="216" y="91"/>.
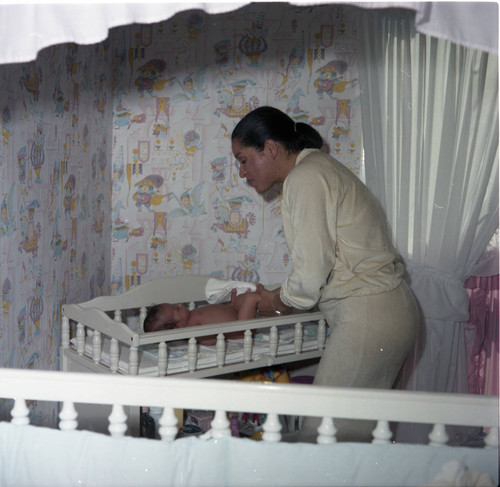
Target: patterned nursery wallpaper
<point x="55" y="195"/>
<point x="182" y="85"/>
<point x="116" y="164"/>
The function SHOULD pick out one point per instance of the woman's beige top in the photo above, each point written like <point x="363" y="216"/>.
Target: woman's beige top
<point x="336" y="232"/>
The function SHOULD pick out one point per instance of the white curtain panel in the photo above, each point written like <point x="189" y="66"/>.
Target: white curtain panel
<point x="430" y="128"/>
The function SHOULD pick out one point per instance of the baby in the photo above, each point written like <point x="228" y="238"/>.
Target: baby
<point x="167" y="316"/>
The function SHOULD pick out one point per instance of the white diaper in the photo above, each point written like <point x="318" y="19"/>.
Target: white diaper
<point x="218" y="291"/>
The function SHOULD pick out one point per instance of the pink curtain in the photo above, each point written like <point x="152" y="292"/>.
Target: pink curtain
<point x="482" y="335"/>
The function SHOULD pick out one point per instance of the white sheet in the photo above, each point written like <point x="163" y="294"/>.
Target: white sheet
<point x="34" y="456"/>
<point x="177" y="351"/>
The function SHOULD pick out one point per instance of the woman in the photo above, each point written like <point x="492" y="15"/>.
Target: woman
<point x="342" y="256"/>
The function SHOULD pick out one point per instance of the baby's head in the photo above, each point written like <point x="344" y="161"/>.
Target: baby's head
<point x="165" y="317"/>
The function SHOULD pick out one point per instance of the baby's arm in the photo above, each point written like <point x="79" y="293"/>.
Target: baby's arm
<point x="245" y="304"/>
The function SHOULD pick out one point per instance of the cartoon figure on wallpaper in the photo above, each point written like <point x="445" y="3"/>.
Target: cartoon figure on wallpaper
<point x="102" y="159"/>
<point x="57" y="245"/>
<point x="37" y="157"/>
<point x="168" y="316"/>
<point x="192" y="142"/>
<point x="69" y="194"/>
<point x="6" y="124"/>
<point x="218" y="168"/>
<point x="21" y="325"/>
<point x="70" y="59"/>
<point x="147" y="194"/>
<point x="7" y="220"/>
<point x="229" y="219"/>
<point x="253" y="44"/>
<point x="247" y="270"/>
<point x="342" y="257"/>
<point x="22" y="157"/>
<point x="98" y="215"/>
<point x="222" y="50"/>
<point x="31" y="79"/>
<point x="6" y="296"/>
<point x="189" y="256"/>
<point x="330" y="80"/>
<point x="234" y="104"/>
<point x="293" y="106"/>
<point x="149" y="76"/>
<point x="60" y="104"/>
<point x="36" y="304"/>
<point x="190" y="202"/>
<point x="30" y="232"/>
<point x="193" y="87"/>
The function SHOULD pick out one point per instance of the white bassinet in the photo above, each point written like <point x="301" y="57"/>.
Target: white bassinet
<point x="108" y="336"/>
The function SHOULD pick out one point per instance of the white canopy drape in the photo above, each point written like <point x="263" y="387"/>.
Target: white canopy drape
<point x="27" y="28"/>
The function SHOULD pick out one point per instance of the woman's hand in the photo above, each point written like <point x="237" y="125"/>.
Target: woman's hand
<point x="265" y="305"/>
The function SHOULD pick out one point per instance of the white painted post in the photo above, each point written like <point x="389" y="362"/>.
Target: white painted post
<point x="20" y="413"/>
<point x="117" y="421"/>
<point x="68" y="417"/>
<point x="327" y="432"/>
<point x="272" y="428"/>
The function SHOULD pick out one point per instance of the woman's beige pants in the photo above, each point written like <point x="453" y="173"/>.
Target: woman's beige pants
<point x="369" y="340"/>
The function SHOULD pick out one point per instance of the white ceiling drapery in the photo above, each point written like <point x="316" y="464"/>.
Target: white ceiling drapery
<point x="25" y="29"/>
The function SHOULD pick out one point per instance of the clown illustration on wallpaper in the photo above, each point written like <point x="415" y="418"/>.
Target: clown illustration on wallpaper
<point x="146" y="194"/>
<point x="330" y="80"/>
<point x="149" y="76"/>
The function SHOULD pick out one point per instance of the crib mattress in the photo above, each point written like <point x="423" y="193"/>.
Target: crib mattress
<point x="177" y="351"/>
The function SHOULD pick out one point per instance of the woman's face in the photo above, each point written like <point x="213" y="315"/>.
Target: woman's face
<point x="257" y="167"/>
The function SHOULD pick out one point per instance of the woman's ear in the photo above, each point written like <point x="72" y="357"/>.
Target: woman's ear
<point x="271" y="148"/>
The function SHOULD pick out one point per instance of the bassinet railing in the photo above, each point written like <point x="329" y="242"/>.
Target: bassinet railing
<point x="121" y="335"/>
<point x="235" y="396"/>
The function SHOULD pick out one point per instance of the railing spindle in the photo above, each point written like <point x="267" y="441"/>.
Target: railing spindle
<point x="20" y="413"/>
<point x="168" y="425"/>
<point x="220" y="350"/>
<point x="272" y="428"/>
<point x="247" y="346"/>
<point x="438" y="436"/>
<point x="382" y="433"/>
<point x="96" y="346"/>
<point x="220" y="425"/>
<point x="117" y="421"/>
<point x="162" y="359"/>
<point x="80" y="338"/>
<point x="68" y="417"/>
<point x="114" y="355"/>
<point x="298" y="337"/>
<point x="192" y="354"/>
<point x="327" y="432"/>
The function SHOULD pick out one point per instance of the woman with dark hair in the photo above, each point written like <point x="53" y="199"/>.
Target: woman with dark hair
<point x="342" y="255"/>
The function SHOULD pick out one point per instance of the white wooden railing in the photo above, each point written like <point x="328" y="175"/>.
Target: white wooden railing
<point x="236" y="396"/>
